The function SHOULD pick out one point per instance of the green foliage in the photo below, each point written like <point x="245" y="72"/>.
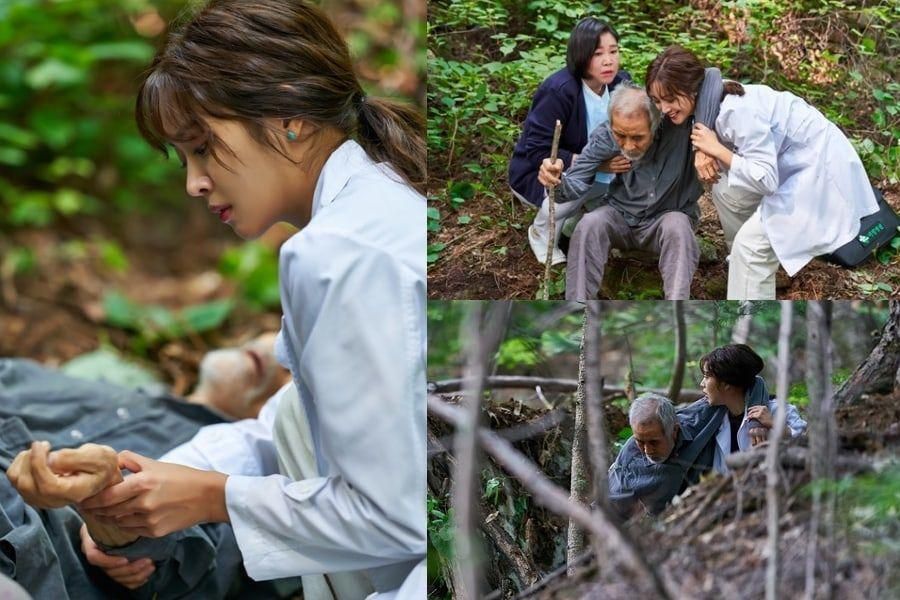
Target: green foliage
<point x="67" y="85"/>
<point x="254" y="266"/>
<point x="153" y="324"/>
<point x="516" y="352"/>
<point x="440" y="538"/>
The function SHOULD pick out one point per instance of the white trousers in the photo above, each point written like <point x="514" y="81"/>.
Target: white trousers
<point x="752" y="262"/>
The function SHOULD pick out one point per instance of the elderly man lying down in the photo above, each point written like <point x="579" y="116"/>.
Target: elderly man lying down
<point x="670" y="449"/>
<point x="43" y="546"/>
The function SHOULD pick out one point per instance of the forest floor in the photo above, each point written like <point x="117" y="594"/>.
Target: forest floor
<point x="711" y="542"/>
<point x="56" y="312"/>
<point x="492" y="260"/>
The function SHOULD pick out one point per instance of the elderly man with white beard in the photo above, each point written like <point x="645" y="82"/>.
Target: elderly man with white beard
<point x="652" y="207"/>
<point x="668" y="451"/>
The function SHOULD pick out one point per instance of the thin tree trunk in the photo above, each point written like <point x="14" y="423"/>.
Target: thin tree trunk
<point x="822" y="440"/>
<point x="599" y="523"/>
<point x="596" y="418"/>
<point x="578" y="481"/>
<point x="740" y="333"/>
<point x="680" y="350"/>
<point x="465" y="477"/>
<point x="772" y="458"/>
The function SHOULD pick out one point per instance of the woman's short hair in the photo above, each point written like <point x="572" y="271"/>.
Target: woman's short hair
<point x="734" y="364"/>
<point x="583" y="40"/>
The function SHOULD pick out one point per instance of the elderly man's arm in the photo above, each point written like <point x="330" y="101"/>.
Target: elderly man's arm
<point x="580" y="177"/>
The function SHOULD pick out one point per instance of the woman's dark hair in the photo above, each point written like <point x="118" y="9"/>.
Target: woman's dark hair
<point x="677" y="71"/>
<point x="251" y="60"/>
<point x="583" y="41"/>
<point x="735" y="364"/>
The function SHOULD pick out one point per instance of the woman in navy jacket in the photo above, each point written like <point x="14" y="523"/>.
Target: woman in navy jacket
<point x="576" y="96"/>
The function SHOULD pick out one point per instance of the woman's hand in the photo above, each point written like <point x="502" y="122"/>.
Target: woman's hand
<point x="704" y="139"/>
<point x="159" y="498"/>
<point x="129" y="573"/>
<point x="707" y="167"/>
<point x="64" y="477"/>
<point x="550" y="172"/>
<point x="616" y="164"/>
<point x="761" y="414"/>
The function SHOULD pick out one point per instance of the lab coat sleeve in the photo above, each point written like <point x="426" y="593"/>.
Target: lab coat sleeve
<point x="580" y="177"/>
<point x="354" y="332"/>
<point x="754" y="165"/>
<point x="242" y="447"/>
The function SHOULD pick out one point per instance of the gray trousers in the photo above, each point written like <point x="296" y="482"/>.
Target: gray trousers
<point x="670" y="236"/>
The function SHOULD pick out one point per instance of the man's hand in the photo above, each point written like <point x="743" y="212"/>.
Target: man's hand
<point x="616" y="164"/>
<point x="707" y="167"/>
<point x="64" y="477"/>
<point x="550" y="172"/>
<point x="159" y="497"/>
<point x="129" y="573"/>
<point x="761" y="414"/>
<point x="758" y="435"/>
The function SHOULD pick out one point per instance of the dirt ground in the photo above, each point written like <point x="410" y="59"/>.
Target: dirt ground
<point x="493" y="262"/>
<point x="55" y="312"/>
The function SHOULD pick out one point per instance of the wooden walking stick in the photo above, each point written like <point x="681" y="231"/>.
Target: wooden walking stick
<point x="551" y="194"/>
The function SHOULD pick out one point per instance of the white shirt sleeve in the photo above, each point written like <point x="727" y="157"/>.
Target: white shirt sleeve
<point x="242" y="447"/>
<point x="354" y="319"/>
<point x="794" y="422"/>
<point x="754" y="165"/>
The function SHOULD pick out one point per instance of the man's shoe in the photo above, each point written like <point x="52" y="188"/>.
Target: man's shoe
<point x="539" y="247"/>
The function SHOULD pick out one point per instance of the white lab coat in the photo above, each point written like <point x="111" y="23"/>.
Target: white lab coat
<point x="793" y="421"/>
<point x="813" y="184"/>
<point x="353" y="335"/>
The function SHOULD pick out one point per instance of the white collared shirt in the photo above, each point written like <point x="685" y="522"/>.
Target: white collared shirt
<point x="353" y="335"/>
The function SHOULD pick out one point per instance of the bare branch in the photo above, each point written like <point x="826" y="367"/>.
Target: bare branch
<point x="548" y="384"/>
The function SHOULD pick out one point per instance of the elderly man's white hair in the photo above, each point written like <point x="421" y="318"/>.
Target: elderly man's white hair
<point x="630" y="99"/>
<point x="650" y="407"/>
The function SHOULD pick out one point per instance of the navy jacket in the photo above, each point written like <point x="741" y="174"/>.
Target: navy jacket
<point x="560" y="96"/>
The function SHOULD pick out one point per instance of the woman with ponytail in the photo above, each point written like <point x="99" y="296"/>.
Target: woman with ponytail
<point x="260" y="101"/>
<point x="793" y="187"/>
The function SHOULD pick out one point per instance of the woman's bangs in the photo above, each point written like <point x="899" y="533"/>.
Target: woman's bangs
<point x="166" y="112"/>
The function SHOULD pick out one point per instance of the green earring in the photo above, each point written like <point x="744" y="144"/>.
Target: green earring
<point x="292" y="136"/>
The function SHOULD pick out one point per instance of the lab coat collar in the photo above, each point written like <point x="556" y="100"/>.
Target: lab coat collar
<point x="347" y="159"/>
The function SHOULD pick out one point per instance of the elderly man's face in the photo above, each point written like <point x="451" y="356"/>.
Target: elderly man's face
<point x="632" y="133"/>
<point x="652" y="440"/>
